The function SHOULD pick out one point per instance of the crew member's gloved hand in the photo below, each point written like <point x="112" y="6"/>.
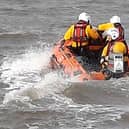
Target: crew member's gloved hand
<point x="108" y="38"/>
<point x="104" y="61"/>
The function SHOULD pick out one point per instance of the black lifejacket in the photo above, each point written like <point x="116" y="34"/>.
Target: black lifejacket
<point x="121" y="35"/>
<point x="109" y="48"/>
<point x="119" y="39"/>
<point x="79" y="34"/>
<point x="121" y="31"/>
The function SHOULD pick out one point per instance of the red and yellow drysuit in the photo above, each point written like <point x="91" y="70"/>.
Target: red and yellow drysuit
<point x="80" y="35"/>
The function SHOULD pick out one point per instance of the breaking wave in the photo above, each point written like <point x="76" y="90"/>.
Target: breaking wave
<point x="28" y="76"/>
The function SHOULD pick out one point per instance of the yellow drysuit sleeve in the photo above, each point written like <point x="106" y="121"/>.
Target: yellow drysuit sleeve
<point x="104" y="52"/>
<point x="105" y="26"/>
<point x="91" y="32"/>
<point x="69" y="33"/>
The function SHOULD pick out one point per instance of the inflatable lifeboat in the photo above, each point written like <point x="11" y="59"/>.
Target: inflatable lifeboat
<point x="80" y="68"/>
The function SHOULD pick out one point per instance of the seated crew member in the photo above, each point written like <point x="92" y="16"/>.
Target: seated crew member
<point x="114" y="23"/>
<point x="115" y="45"/>
<point x="80" y="34"/>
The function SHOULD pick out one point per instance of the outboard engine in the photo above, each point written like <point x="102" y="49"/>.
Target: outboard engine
<point x="116" y="64"/>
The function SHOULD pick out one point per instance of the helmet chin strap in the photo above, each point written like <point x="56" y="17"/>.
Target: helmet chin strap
<point x="109" y="38"/>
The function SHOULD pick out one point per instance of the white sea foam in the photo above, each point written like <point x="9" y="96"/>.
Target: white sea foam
<point x="47" y="86"/>
<point x="23" y="74"/>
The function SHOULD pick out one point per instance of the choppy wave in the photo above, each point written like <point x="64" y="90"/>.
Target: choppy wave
<point x="32" y="97"/>
<point x="26" y="78"/>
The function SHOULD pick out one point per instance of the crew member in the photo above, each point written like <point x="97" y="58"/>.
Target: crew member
<point x="114" y="45"/>
<point x="114" y="23"/>
<point x="81" y="34"/>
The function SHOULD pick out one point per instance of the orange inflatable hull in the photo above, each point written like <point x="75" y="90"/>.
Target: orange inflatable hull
<point x="64" y="59"/>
